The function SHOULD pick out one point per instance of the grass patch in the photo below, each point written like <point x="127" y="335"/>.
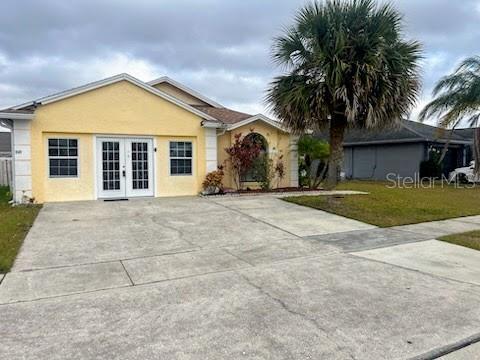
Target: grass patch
<point x="469" y="239"/>
<point x="386" y="207"/>
<point x="14" y="225"/>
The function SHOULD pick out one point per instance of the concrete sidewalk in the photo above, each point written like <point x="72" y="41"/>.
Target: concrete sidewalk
<point x="432" y="257"/>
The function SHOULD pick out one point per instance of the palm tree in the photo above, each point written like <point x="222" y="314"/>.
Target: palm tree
<point x="346" y="66"/>
<point x="457" y="99"/>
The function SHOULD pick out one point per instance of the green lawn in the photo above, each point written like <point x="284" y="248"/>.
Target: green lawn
<point x="389" y="207"/>
<point x="469" y="239"/>
<point x="14" y="225"/>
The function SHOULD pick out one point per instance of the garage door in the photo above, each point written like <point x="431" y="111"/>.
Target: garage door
<point x="363" y="162"/>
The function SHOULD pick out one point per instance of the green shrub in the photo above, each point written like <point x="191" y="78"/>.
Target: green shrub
<point x="213" y="181"/>
<point x="433" y="167"/>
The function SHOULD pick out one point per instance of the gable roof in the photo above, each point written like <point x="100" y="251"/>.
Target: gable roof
<point x="108" y="81"/>
<point x="214" y="114"/>
<point x="235" y="119"/>
<point x="258" y="117"/>
<point x="406" y="131"/>
<point x="186" y="89"/>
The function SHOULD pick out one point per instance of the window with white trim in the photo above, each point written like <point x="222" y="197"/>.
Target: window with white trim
<point x="180" y="158"/>
<point x="63" y="157"/>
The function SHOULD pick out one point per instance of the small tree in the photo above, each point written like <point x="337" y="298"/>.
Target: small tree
<point x="313" y="159"/>
<point x="242" y="155"/>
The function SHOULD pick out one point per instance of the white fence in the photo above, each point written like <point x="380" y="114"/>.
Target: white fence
<point x="6" y="175"/>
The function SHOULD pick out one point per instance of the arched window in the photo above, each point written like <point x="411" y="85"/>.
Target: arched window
<point x="249" y="175"/>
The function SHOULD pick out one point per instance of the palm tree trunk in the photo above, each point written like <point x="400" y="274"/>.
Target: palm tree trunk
<point x="445" y="147"/>
<point x="337" y="132"/>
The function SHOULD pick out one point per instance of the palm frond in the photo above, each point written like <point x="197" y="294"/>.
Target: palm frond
<point x="456" y="96"/>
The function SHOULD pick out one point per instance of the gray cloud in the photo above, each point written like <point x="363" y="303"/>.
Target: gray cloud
<point x="218" y="47"/>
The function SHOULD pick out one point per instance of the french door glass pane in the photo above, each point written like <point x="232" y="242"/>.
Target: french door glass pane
<point x="111" y="165"/>
<point x="139" y="165"/>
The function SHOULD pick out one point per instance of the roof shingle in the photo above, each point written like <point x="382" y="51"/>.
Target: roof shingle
<point x="224" y="115"/>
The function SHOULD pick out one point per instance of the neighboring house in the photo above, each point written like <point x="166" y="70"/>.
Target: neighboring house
<point x="5" y="144"/>
<point x="373" y="154"/>
<point x="121" y="137"/>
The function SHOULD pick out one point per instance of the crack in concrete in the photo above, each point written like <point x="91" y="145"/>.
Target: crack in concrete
<point x="177" y="230"/>
<point x="127" y="273"/>
<point x="285" y="307"/>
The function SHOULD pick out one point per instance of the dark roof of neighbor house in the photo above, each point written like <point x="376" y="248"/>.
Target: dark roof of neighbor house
<point x="224" y="115"/>
<point x="5" y="142"/>
<point x="405" y="131"/>
<point x="467" y="133"/>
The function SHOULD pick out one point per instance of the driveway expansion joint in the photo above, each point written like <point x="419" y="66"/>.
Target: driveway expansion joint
<point x="64" y="295"/>
<point x="110" y="261"/>
<point x="236" y="256"/>
<point x="258" y="220"/>
<point x="154" y="282"/>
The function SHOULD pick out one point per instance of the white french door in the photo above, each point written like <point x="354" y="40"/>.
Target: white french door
<point x="124" y="167"/>
<point x="139" y="167"/>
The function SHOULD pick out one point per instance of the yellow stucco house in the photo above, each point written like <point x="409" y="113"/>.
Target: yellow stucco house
<point x="120" y="137"/>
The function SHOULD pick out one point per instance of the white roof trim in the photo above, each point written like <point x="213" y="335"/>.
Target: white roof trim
<point x="16" y="116"/>
<point x="111" y="80"/>
<point x="211" y="124"/>
<point x="166" y="79"/>
<point x="257" y="117"/>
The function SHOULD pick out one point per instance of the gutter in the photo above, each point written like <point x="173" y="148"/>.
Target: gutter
<point x="213" y="124"/>
<point x="16" y="116"/>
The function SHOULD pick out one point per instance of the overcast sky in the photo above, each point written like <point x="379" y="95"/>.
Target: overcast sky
<point x="218" y="47"/>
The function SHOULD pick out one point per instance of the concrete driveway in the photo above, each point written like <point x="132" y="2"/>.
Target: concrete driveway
<point x="249" y="278"/>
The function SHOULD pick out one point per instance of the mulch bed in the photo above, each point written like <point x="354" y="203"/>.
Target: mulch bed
<point x="261" y="191"/>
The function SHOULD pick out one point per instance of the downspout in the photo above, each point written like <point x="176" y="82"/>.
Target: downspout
<point x="224" y="130"/>
<point x="8" y="123"/>
<point x="12" y="147"/>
